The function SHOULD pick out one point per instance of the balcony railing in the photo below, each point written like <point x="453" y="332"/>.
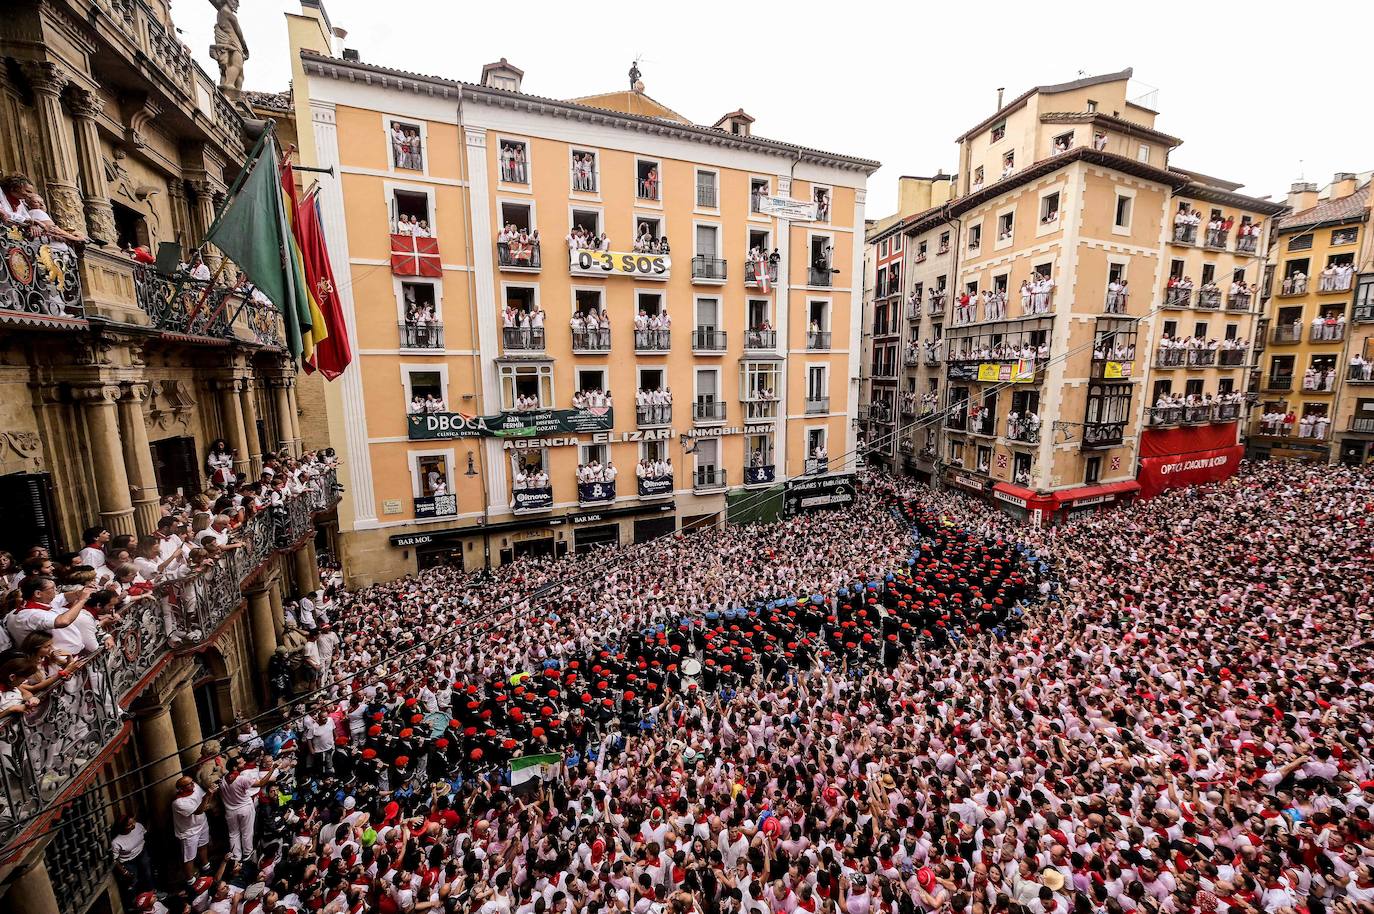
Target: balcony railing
<point x="1232" y="358"/>
<point x="653" y="340"/>
<point x="706" y="195"/>
<point x="1363" y="314"/>
<point x="1115" y="303"/>
<point x="984" y="424"/>
<point x="760" y="475"/>
<point x="265" y="322"/>
<point x="1238" y="302"/>
<point x="1217" y="239"/>
<point x="1279" y="382"/>
<point x="760" y="339"/>
<point x="1185" y="234"/>
<point x="1225" y="412"/>
<point x="760" y="409"/>
<point x="48" y="748"/>
<point x="1362" y="425"/>
<point x="956" y="417"/>
<point x="1171" y="358"/>
<point x="931" y="360"/>
<point x="1335" y="284"/>
<point x="1288" y="333"/>
<point x="751" y="273"/>
<point x="1103" y="434"/>
<point x="518" y="256"/>
<point x="1209" y="300"/>
<point x="708" y="411"/>
<point x="707" y="341"/>
<point x="194" y="307"/>
<point x="654" y="414"/>
<point x="1247" y="244"/>
<point x="817" y="339"/>
<point x="1362" y="373"/>
<point x="708" y="269"/>
<point x="421" y="334"/>
<point x="1023" y="430"/>
<point x="1178" y="298"/>
<point x="913" y="310"/>
<point x="583" y="182"/>
<point x="648" y="189"/>
<point x="598" y="340"/>
<point x="816" y="406"/>
<point x="708" y="479"/>
<point x="1157" y="416"/>
<point x="813" y="466"/>
<point x="1332" y="332"/>
<point x="523" y="339"/>
<point x="936" y="306"/>
<point x="38" y="277"/>
<point x="1195" y="415"/>
<point x="1201" y="358"/>
<point x="820" y="276"/>
<point x="911" y="359"/>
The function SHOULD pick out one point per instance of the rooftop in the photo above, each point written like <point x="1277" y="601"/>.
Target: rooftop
<point x="1048" y="89"/>
<point x="337" y="68"/>
<point x="1350" y="208"/>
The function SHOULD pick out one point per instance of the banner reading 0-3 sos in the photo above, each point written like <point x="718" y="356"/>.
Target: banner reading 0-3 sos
<point x="615" y="263"/>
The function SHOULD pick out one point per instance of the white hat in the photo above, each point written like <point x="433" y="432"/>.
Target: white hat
<point x="350" y="802"/>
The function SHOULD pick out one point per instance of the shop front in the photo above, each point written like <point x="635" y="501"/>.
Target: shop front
<point x="1071" y="503"/>
<point x="1024" y="504"/>
<point x="967" y="482"/>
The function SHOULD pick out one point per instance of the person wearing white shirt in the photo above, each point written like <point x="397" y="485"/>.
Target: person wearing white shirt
<point x="93" y="552"/>
<point x="37" y="613"/>
<point x="190" y="824"/>
<point x="239" y="793"/>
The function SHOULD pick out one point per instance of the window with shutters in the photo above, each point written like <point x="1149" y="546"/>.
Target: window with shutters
<point x="26" y="506"/>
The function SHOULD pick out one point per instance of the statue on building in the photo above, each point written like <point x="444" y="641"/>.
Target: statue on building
<point x="635" y="84"/>
<point x="230" y="49"/>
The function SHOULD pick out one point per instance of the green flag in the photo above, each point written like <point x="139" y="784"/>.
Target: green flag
<point x="534" y="768"/>
<point x="254" y="233"/>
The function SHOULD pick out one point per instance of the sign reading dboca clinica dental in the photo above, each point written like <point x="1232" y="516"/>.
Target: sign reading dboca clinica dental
<point x="615" y="263"/>
<point x="431" y="426"/>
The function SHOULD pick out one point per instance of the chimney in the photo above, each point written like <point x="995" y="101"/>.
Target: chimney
<point x="737" y="122"/>
<point x="1302" y="196"/>
<point x="352" y="54"/>
<point x="1342" y="185"/>
<point x="502" y="75"/>
<point x="1000" y="90"/>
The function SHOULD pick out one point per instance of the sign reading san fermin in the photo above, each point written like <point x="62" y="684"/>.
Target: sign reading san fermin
<point x="431" y="426"/>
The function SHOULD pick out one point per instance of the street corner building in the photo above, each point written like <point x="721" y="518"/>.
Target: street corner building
<point x="577" y="322"/>
<point x="1070" y="320"/>
<point x="117" y="373"/>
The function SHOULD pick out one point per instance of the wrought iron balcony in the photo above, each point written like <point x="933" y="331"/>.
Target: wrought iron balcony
<point x="525" y="339"/>
<point x="708" y="269"/>
<point x="1279" y="382"/>
<point x="1185" y="234"/>
<point x="708" y="411"/>
<point x="1238" y="302"/>
<point x="192" y="306"/>
<point x="1170" y="358"/>
<point x="1116" y="303"/>
<point x="817" y="339"/>
<point x="816" y="465"/>
<point x="708" y="479"/>
<point x="421" y="335"/>
<point x="1247" y="244"/>
<point x="1209" y="300"/>
<point x="760" y="339"/>
<point x="936" y="306"/>
<point x="705" y="340"/>
<point x="48" y="749"/>
<point x="1160" y="416"/>
<point x="653" y="341"/>
<point x="816" y="406"/>
<point x="1023" y="430"/>
<point x="265" y="322"/>
<point x="519" y="256"/>
<point x="654" y="414"/>
<point x="591" y="341"/>
<point x="1332" y="332"/>
<point x="1231" y="358"/>
<point x="1103" y="434"/>
<point x="38" y="278"/>
<point x="1201" y="358"/>
<point x="821" y="277"/>
<point x="1217" y="239"/>
<point x="1288" y="333"/>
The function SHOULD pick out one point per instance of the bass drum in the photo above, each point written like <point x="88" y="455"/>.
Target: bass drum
<point x="691" y="671"/>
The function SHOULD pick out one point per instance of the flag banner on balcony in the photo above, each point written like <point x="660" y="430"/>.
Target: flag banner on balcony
<point x="615" y="263"/>
<point x="534" y="768"/>
<point x="313" y="329"/>
<point x="442" y="426"/>
<point x="332" y="352"/>
<point x="1018" y="372"/>
<point x="803" y="495"/>
<point x="532" y="499"/>
<point x="650" y="488"/>
<point x="595" y="491"/>
<point x="1195" y="468"/>
<point x="254" y="233"/>
<point x="412" y="255"/>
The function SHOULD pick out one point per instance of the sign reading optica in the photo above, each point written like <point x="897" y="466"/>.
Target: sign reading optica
<point x="613" y="263"/>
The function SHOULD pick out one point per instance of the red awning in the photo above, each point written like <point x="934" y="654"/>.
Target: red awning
<point x="1101" y="493"/>
<point x="1018" y="491"/>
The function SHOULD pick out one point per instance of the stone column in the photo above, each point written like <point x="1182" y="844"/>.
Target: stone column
<point x="32" y="892"/>
<point x="54" y="136"/>
<point x="307" y="569"/>
<point x="157" y="749"/>
<point x="261" y="622"/>
<point x="85" y="106"/>
<point x="248" y="395"/>
<point x="106" y="457"/>
<point x="183" y="229"/>
<point x="231" y="421"/>
<point x="186" y="724"/>
<point x="138" y="457"/>
<point x="274" y="596"/>
<point x="203" y="216"/>
<point x="293" y="413"/>
<point x="282" y="397"/>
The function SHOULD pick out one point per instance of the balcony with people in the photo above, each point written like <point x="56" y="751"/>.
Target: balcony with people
<point x="1248" y="236"/>
<point x="935" y="306"/>
<point x="1288" y="333"/>
<point x="531" y="488"/>
<point x="760" y="338"/>
<point x="596" y="482"/>
<point x="1208" y="297"/>
<point x="1023" y="427"/>
<point x="817" y="461"/>
<point x="760" y="271"/>
<point x="1118" y="296"/>
<point x="522" y="322"/>
<point x="517" y="240"/>
<point x="1328" y="327"/>
<point x="758" y="390"/>
<point x="1241" y="297"/>
<point x="821" y="268"/>
<point x="1178" y="293"/>
<point x="654" y="476"/>
<point x="1337" y="276"/>
<point x="1320" y="376"/>
<point x="1037" y="294"/>
<point x="421" y="333"/>
<point x="590" y="326"/>
<point x="1113" y="354"/>
<point x="1186" y="223"/>
<point x="653" y="407"/>
<point x="1360" y="370"/>
<point x="653" y="329"/>
<point x="1233" y="353"/>
<point x="1219" y="232"/>
<point x="167" y="592"/>
<point x="1294" y="282"/>
<point x="40" y="274"/>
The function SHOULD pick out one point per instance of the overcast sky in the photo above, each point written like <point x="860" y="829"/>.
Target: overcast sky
<point x="896" y="82"/>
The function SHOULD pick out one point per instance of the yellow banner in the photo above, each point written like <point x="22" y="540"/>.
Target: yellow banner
<point x="1018" y="372"/>
<point x="614" y="263"/>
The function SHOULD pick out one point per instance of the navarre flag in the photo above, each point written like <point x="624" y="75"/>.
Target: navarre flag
<point x="332" y="352"/>
<point x="528" y="768"/>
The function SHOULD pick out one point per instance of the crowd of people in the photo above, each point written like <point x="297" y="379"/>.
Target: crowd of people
<point x="1172" y="408"/>
<point x="1313" y="423"/>
<point x="591" y="329"/>
<point x="592" y="398"/>
<point x="654" y="407"/>
<point x="1003" y="351"/>
<point x="1336" y="277"/>
<point x="518" y="247"/>
<point x="596" y="471"/>
<point x="514" y="163"/>
<point x="914" y="705"/>
<point x="584" y="239"/>
<point x="646" y="242"/>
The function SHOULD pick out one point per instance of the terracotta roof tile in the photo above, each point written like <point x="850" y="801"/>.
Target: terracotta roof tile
<point x="1344" y="209"/>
